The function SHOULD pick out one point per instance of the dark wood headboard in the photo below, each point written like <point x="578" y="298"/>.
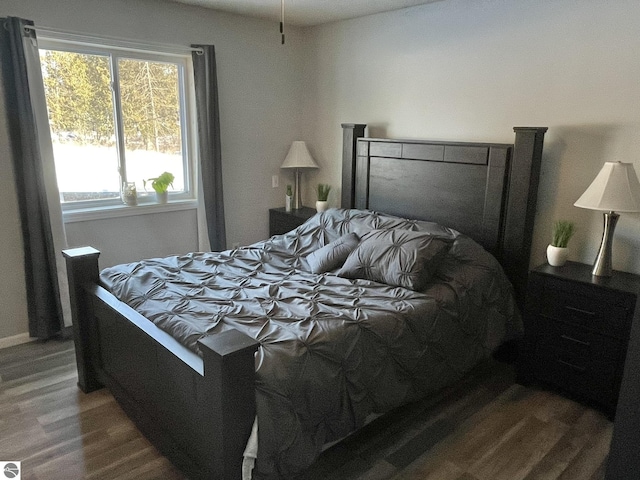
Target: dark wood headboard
<point x="487" y="191"/>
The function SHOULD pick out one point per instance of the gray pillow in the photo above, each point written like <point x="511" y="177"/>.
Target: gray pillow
<point x="401" y="258"/>
<point x="333" y="254"/>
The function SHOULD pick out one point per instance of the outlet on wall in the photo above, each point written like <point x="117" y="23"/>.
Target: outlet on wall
<point x="275" y="181"/>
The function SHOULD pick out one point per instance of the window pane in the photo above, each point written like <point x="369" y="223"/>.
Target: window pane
<point x="152" y="121"/>
<point x="79" y="102"/>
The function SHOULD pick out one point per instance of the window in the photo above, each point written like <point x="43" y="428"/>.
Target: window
<point x="115" y="117"/>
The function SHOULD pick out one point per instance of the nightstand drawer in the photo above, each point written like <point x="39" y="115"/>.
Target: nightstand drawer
<point x="588" y="377"/>
<point x="586" y="308"/>
<point x="576" y="341"/>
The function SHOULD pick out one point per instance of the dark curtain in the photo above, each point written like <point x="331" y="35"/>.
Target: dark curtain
<point x="44" y="308"/>
<point x="206" y="85"/>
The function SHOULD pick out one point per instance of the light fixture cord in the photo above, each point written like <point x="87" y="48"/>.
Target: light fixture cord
<point x="282" y="20"/>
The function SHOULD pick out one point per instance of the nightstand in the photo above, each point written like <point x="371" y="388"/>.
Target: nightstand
<point x="281" y="221"/>
<point x="577" y="330"/>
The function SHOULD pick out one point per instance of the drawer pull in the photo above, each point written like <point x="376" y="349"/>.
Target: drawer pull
<point x="579" y="310"/>
<point x="571" y="365"/>
<point x="575" y="340"/>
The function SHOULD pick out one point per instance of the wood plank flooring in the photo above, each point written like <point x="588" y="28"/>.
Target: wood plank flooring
<point x="484" y="428"/>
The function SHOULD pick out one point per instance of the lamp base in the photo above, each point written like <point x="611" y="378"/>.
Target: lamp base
<point x="602" y="265"/>
<point x="297" y="197"/>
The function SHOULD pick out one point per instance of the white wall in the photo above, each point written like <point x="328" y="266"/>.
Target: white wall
<point x="127" y="239"/>
<point x="471" y="70"/>
<point x="260" y="90"/>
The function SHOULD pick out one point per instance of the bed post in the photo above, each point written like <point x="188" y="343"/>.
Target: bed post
<point x="522" y="197"/>
<point x="82" y="269"/>
<point x="350" y="134"/>
<point x="230" y="373"/>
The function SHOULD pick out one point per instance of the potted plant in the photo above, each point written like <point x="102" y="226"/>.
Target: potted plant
<point x="160" y="184"/>
<point x="558" y="252"/>
<point x="322" y="190"/>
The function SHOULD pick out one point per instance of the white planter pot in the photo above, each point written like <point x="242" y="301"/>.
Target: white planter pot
<point x="162" y="197"/>
<point x="321" y="206"/>
<point x="557" y="256"/>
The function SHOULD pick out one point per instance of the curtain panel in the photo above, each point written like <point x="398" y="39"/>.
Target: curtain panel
<point x="209" y="148"/>
<point x="43" y="297"/>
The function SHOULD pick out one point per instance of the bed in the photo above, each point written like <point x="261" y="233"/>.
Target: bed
<point x="315" y="354"/>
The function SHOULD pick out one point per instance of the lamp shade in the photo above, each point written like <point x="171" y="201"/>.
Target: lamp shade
<point x="615" y="188"/>
<point x="299" y="157"/>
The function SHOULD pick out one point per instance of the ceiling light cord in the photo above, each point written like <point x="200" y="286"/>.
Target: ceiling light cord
<point x="282" y="20"/>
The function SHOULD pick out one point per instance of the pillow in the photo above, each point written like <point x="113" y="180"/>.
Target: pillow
<point x="401" y="258"/>
<point x="333" y="254"/>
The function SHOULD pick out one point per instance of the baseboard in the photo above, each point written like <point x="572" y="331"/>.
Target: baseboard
<point x="14" y="340"/>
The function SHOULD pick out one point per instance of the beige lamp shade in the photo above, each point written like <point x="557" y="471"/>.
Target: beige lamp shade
<point x="616" y="188"/>
<point x="299" y="157"/>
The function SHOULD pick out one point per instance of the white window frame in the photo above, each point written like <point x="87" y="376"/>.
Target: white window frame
<point x="109" y="208"/>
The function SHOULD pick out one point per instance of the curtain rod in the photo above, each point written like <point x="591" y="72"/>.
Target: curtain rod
<point x="115" y="43"/>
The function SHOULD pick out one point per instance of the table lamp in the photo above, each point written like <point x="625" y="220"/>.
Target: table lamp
<point x="615" y="188"/>
<point x="298" y="158"/>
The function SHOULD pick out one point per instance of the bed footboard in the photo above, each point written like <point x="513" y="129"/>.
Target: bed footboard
<point x="197" y="411"/>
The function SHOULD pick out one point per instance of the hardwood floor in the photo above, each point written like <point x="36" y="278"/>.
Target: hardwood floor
<point x="485" y="428"/>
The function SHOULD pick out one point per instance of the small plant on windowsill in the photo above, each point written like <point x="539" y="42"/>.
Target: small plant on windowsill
<point x="161" y="184"/>
<point x="557" y="252"/>
<point x="322" y="191"/>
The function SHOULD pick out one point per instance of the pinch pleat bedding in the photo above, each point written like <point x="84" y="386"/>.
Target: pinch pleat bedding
<point x="332" y="350"/>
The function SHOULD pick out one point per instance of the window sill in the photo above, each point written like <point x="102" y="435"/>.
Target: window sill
<point x="115" y="211"/>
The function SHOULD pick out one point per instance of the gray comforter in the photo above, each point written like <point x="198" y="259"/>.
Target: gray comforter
<point x="332" y="350"/>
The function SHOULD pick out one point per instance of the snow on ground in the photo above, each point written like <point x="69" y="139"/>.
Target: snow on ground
<point x="93" y="168"/>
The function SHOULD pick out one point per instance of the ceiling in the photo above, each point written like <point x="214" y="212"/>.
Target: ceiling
<point x="306" y="12"/>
